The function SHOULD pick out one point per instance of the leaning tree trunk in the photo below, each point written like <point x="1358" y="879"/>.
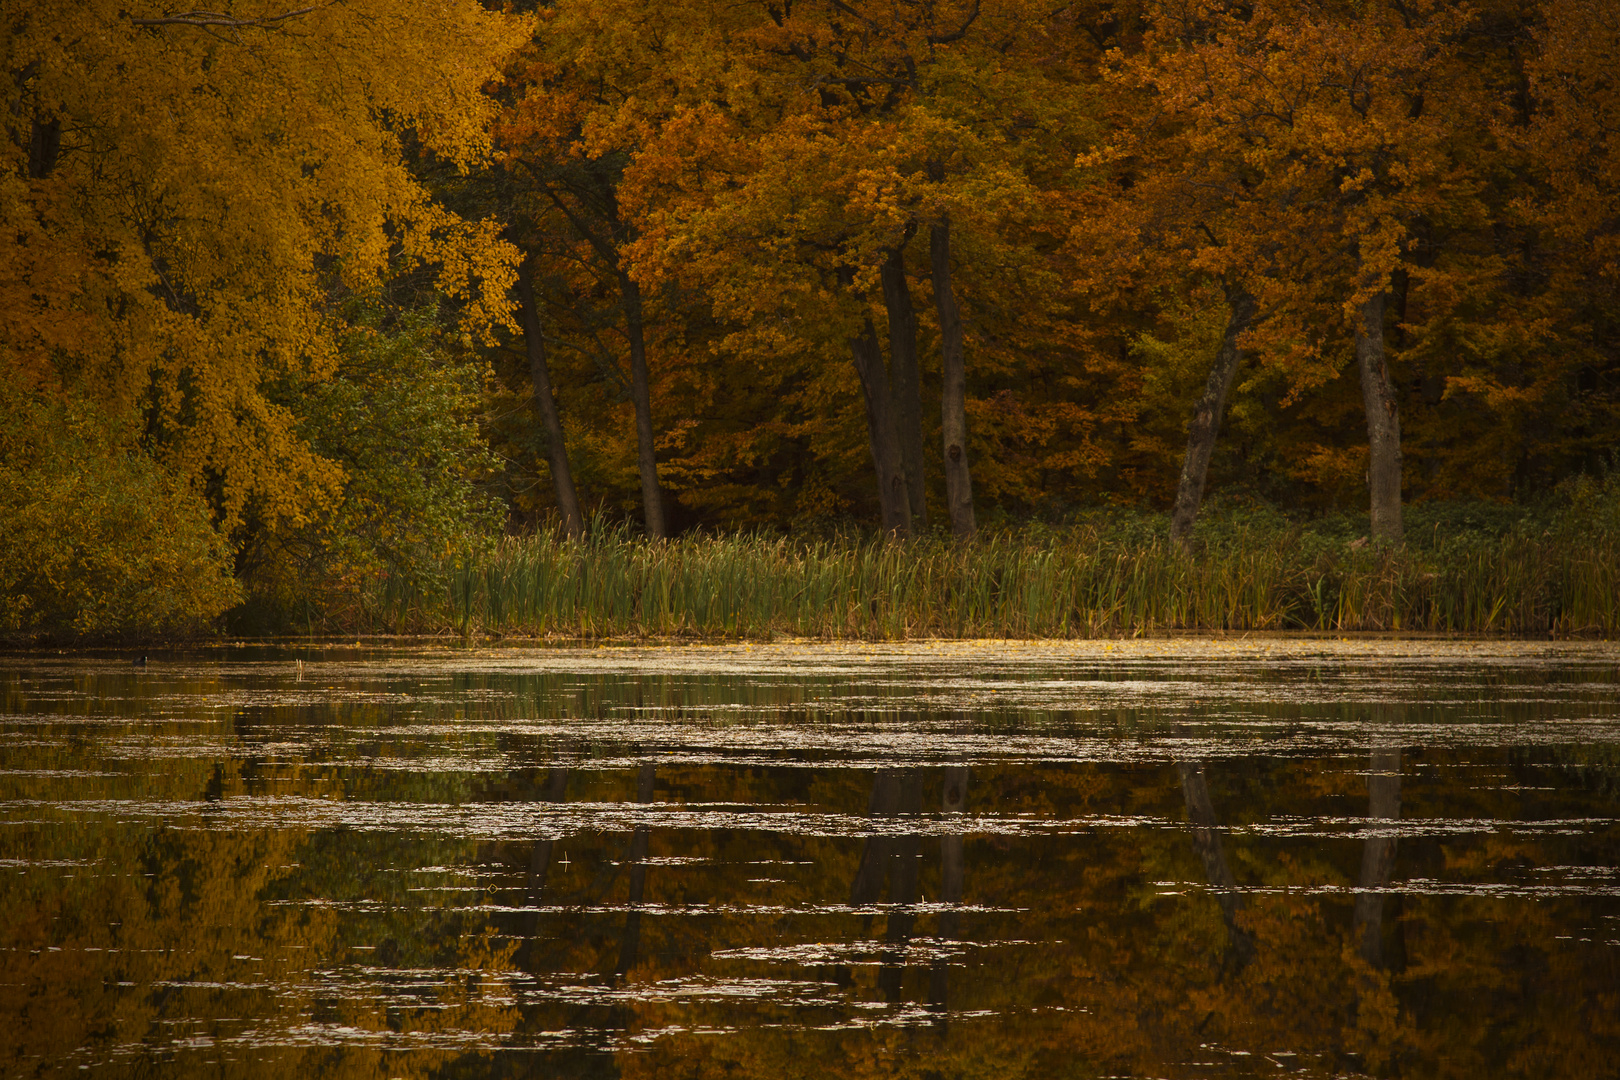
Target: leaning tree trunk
<point x="906" y="384"/>
<point x="1383" y="422"/>
<point x="1206" y="419"/>
<point x="545" y="404"/>
<point x="652" y="498"/>
<point x="893" y="500"/>
<point x="1206" y="836"/>
<point x="953" y="393"/>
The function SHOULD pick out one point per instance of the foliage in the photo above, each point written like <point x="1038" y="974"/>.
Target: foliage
<point x="1107" y="170"/>
<point x="399" y="417"/>
<point x="182" y="194"/>
<point x="715" y="198"/>
<point x="99" y="539"/>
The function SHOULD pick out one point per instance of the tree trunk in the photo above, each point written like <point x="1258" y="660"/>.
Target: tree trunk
<point x="906" y="385"/>
<point x="652" y="498"/>
<point x="895" y="793"/>
<point x="44" y="147"/>
<point x="877" y="852"/>
<point x="545" y="404"/>
<point x="953" y="394"/>
<point x="893" y="499"/>
<point x="1206" y="419"/>
<point x="1378" y="852"/>
<point x="902" y="894"/>
<point x="1383" y="423"/>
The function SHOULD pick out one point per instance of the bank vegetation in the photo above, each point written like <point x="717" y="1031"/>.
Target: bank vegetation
<point x="839" y="317"/>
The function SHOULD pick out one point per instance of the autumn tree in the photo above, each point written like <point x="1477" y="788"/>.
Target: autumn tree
<point x="98" y="541"/>
<point x="1574" y="129"/>
<point x="1310" y="150"/>
<point x="1568" y="130"/>
<point x="768" y="234"/>
<point x="545" y="402"/>
<point x="399" y="416"/>
<point x="848" y="134"/>
<point x="184" y="192"/>
<point x="1157" y="216"/>
<point x="579" y="102"/>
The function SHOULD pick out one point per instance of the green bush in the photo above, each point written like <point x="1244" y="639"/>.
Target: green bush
<point x="399" y="416"/>
<point x="99" y="541"/>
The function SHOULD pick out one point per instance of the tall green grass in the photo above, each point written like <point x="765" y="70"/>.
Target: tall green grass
<point x="1080" y="581"/>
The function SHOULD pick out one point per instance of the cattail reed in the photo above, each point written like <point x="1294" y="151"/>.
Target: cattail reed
<point x="1075" y="582"/>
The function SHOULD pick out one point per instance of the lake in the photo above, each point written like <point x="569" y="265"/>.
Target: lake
<point x="1171" y="858"/>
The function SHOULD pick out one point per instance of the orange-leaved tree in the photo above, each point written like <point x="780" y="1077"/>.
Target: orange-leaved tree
<point x="1571" y="132"/>
<point x="1307" y="148"/>
<point x="584" y="100"/>
<point x="843" y="135"/>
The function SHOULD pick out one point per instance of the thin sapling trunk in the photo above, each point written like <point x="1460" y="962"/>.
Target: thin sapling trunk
<point x="906" y="383"/>
<point x="545" y="405"/>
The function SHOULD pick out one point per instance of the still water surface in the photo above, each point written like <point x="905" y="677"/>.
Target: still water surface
<point x="1169" y="859"/>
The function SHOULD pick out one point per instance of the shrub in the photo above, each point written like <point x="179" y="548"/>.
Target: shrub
<point x="100" y="540"/>
<point x="398" y="416"/>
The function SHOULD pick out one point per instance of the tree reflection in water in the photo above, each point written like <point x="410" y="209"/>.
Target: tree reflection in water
<point x="374" y="884"/>
<point x="1206" y="837"/>
<point x="1378" y="851"/>
<point x="637" y="859"/>
<point x="555" y="790"/>
<point x="953" y="801"/>
<point x="889" y="858"/>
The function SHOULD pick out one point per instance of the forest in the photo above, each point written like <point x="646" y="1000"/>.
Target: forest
<point x="811" y="317"/>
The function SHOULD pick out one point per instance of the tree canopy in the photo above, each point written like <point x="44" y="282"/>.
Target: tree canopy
<point x="903" y="263"/>
<point x="183" y="193"/>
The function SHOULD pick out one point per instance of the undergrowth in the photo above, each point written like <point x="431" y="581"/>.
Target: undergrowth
<point x="1465" y="568"/>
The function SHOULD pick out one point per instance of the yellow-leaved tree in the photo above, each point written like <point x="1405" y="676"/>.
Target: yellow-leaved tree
<point x="185" y="193"/>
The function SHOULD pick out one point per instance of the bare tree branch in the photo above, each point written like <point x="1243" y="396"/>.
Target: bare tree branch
<point x="960" y="32"/>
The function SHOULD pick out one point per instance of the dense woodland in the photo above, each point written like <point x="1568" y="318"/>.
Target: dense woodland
<point x="297" y="300"/>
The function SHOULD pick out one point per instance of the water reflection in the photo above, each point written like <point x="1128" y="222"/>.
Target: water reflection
<point x="1378" y="850"/>
<point x="1206" y="837"/>
<point x="953" y="802"/>
<point x="1164" y="859"/>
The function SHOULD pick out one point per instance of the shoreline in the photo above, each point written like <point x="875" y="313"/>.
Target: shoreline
<point x="452" y="643"/>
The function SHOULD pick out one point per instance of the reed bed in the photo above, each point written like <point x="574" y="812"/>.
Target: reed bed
<point x="1076" y="582"/>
